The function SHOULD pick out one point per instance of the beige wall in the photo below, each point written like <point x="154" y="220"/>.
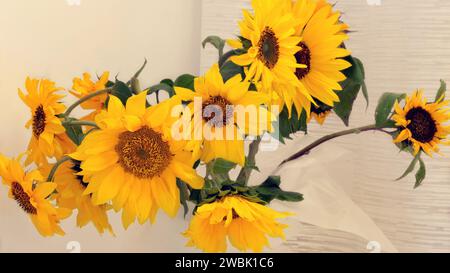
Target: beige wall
<point x="49" y="38"/>
<point x="404" y="45"/>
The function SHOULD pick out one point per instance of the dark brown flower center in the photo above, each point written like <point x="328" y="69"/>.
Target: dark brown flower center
<point x="217" y="111"/>
<point x="423" y="127"/>
<point x="303" y="57"/>
<point x="39" y="121"/>
<point x="22" y="198"/>
<point x="268" y="48"/>
<point x="143" y="153"/>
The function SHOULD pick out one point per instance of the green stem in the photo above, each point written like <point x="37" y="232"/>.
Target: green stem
<point x="81" y="123"/>
<point x="84" y="99"/>
<point x="217" y="179"/>
<point x="138" y="73"/>
<point x="225" y="57"/>
<point x="327" y="138"/>
<point x="51" y="175"/>
<point x="246" y="171"/>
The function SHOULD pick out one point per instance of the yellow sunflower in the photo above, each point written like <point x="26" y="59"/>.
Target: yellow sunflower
<point x="245" y="223"/>
<point x="225" y="115"/>
<point x="322" y="52"/>
<point x="31" y="194"/>
<point x="133" y="160"/>
<point x="422" y="123"/>
<point x="271" y="56"/>
<point x="70" y="194"/>
<point x="48" y="135"/>
<point x="319" y="112"/>
<point x="85" y="86"/>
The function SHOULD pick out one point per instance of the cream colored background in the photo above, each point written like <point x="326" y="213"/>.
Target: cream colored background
<point x="404" y="45"/>
<point x="49" y="38"/>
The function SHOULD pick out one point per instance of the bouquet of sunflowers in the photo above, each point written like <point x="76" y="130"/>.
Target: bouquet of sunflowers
<point x="138" y="154"/>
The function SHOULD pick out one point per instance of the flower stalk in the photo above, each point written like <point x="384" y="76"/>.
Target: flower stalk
<point x="52" y="173"/>
<point x="246" y="171"/>
<point x="327" y="138"/>
<point x="80" y="123"/>
<point x="84" y="99"/>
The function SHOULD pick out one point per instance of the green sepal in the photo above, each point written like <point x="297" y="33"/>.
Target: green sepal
<point x="384" y="109"/>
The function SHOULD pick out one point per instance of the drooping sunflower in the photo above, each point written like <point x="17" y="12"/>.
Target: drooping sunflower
<point x="32" y="195"/>
<point x="320" y="112"/>
<point x="271" y="56"/>
<point x="323" y="36"/>
<point x="85" y="86"/>
<point x="70" y="194"/>
<point x="225" y="115"/>
<point x="133" y="160"/>
<point x="48" y="135"/>
<point x="245" y="223"/>
<point x="421" y="123"/>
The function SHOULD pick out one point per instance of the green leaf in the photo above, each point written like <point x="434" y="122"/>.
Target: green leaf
<point x="186" y="81"/>
<point x="270" y="190"/>
<point x="169" y="82"/>
<point x="421" y="173"/>
<point x="288" y="126"/>
<point x="290" y="196"/>
<point x="441" y="91"/>
<point x="74" y="132"/>
<point x="362" y="77"/>
<point x="217" y="42"/>
<point x="347" y="97"/>
<point x="184" y="195"/>
<point x="272" y="181"/>
<point x="350" y="89"/>
<point x="162" y="86"/>
<point x="230" y="69"/>
<point x="410" y="168"/>
<point x="121" y="91"/>
<point x="251" y="166"/>
<point x="384" y="108"/>
<point x="221" y="166"/>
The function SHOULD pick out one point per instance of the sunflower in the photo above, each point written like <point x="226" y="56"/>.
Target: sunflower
<point x="225" y="115"/>
<point x="321" y="50"/>
<point x="245" y="223"/>
<point x="421" y="124"/>
<point x="31" y="194"/>
<point x="320" y="112"/>
<point x="85" y="86"/>
<point x="134" y="161"/>
<point x="271" y="55"/>
<point x="48" y="135"/>
<point x="70" y="188"/>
